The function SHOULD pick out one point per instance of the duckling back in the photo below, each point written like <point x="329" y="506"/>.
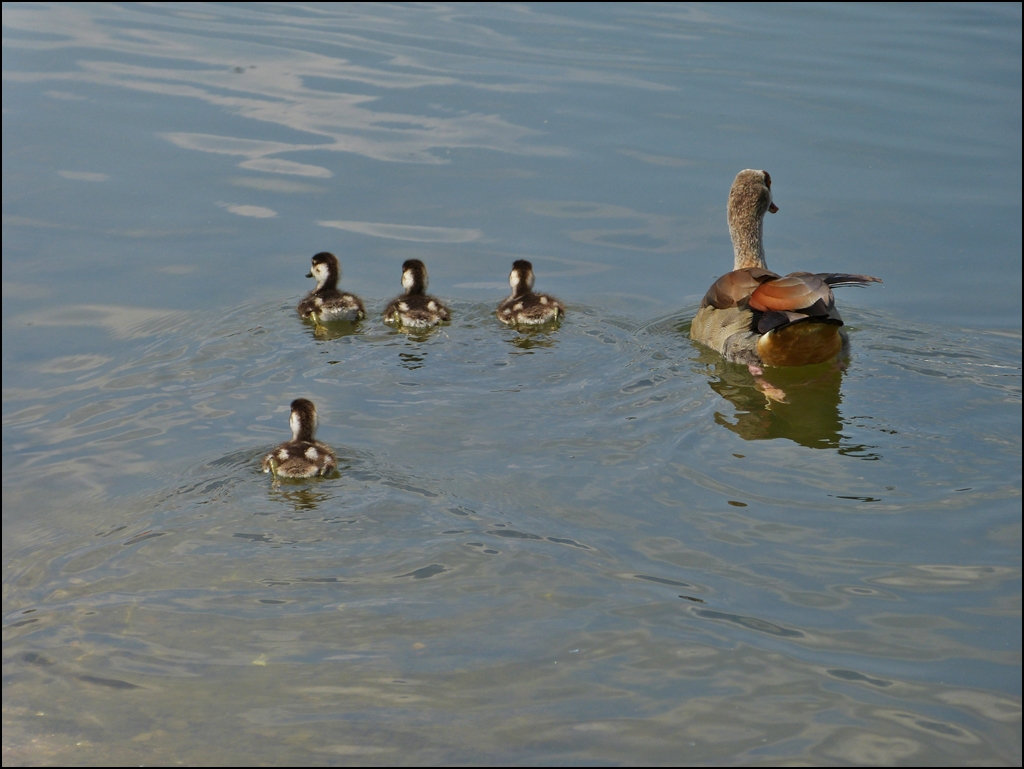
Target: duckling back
<point x="524" y="307"/>
<point x="415" y="308"/>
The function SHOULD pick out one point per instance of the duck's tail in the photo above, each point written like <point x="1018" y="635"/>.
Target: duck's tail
<point x="835" y="279"/>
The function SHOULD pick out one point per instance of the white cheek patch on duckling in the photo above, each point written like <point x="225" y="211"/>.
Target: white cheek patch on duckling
<point x="312" y="453"/>
<point x="320" y="272"/>
<point x="408" y="279"/>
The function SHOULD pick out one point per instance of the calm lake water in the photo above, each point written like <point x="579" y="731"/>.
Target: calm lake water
<point x="596" y="544"/>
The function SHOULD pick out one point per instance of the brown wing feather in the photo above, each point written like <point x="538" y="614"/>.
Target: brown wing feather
<point x="793" y="292"/>
<point x="734" y="287"/>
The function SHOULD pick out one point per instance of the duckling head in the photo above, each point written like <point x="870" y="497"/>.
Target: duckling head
<point x="521" y="277"/>
<point x="414" y="276"/>
<point x="325" y="269"/>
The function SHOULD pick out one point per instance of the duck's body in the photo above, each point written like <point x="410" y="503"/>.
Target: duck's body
<point x="525" y="308"/>
<point x="757" y="317"/>
<point x="326" y="303"/>
<point x="415" y="308"/>
<point x="302" y="456"/>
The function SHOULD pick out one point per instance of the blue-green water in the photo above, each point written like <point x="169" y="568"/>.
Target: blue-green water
<point x="595" y="544"/>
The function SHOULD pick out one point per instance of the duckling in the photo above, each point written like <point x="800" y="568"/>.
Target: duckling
<point x="525" y="308"/>
<point x="415" y="308"/>
<point x="757" y="317"/>
<point x="326" y="303"/>
<point x="302" y="456"/>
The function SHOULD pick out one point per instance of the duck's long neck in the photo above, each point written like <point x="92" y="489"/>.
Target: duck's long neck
<point x="747" y="232"/>
<point x="329" y="281"/>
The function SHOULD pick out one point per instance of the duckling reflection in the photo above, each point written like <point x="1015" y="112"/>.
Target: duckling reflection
<point x="302" y="500"/>
<point x="412" y="360"/>
<point x="327" y="332"/>
<point x="528" y="340"/>
<point x="800" y="404"/>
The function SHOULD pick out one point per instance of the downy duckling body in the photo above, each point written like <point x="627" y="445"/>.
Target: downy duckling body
<point x="525" y="308"/>
<point x="757" y="317"/>
<point x="415" y="308"/>
<point x="302" y="456"/>
<point x="326" y="303"/>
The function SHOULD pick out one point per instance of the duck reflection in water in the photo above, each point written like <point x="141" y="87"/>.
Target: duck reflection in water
<point x="412" y="360"/>
<point x="302" y="500"/>
<point x="327" y="332"/>
<point x="412" y="346"/>
<point x="800" y="404"/>
<point x="527" y="340"/>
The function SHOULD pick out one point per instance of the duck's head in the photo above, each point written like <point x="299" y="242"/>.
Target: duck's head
<point x="749" y="200"/>
<point x="325" y="269"/>
<point x="303" y="420"/>
<point x="414" y="276"/>
<point x="521" y="277"/>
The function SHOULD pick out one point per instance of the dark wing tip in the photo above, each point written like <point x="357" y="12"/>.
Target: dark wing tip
<point x="835" y="279"/>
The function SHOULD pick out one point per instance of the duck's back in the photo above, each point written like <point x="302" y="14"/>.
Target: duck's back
<point x="725" y="322"/>
<point x="530" y="310"/>
<point x="754" y="316"/>
<point x="300" y="459"/>
<point x="416" y="310"/>
<point x="731" y="332"/>
<point x="332" y="305"/>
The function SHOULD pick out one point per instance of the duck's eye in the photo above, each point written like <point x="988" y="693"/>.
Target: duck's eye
<point x="767" y="179"/>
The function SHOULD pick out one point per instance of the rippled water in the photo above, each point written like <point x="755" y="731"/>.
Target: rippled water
<point x="594" y="544"/>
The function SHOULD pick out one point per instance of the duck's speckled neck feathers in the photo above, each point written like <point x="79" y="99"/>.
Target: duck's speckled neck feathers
<point x="749" y="200"/>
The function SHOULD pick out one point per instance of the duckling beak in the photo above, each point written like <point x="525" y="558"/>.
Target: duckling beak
<point x="309" y="274"/>
<point x="772" y="209"/>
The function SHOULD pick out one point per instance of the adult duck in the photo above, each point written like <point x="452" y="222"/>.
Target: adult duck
<point x="757" y="317"/>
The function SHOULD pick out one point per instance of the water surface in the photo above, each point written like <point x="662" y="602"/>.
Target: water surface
<point x="597" y="543"/>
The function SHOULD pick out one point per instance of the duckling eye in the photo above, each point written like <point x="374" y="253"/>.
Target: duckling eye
<point x="767" y="179"/>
